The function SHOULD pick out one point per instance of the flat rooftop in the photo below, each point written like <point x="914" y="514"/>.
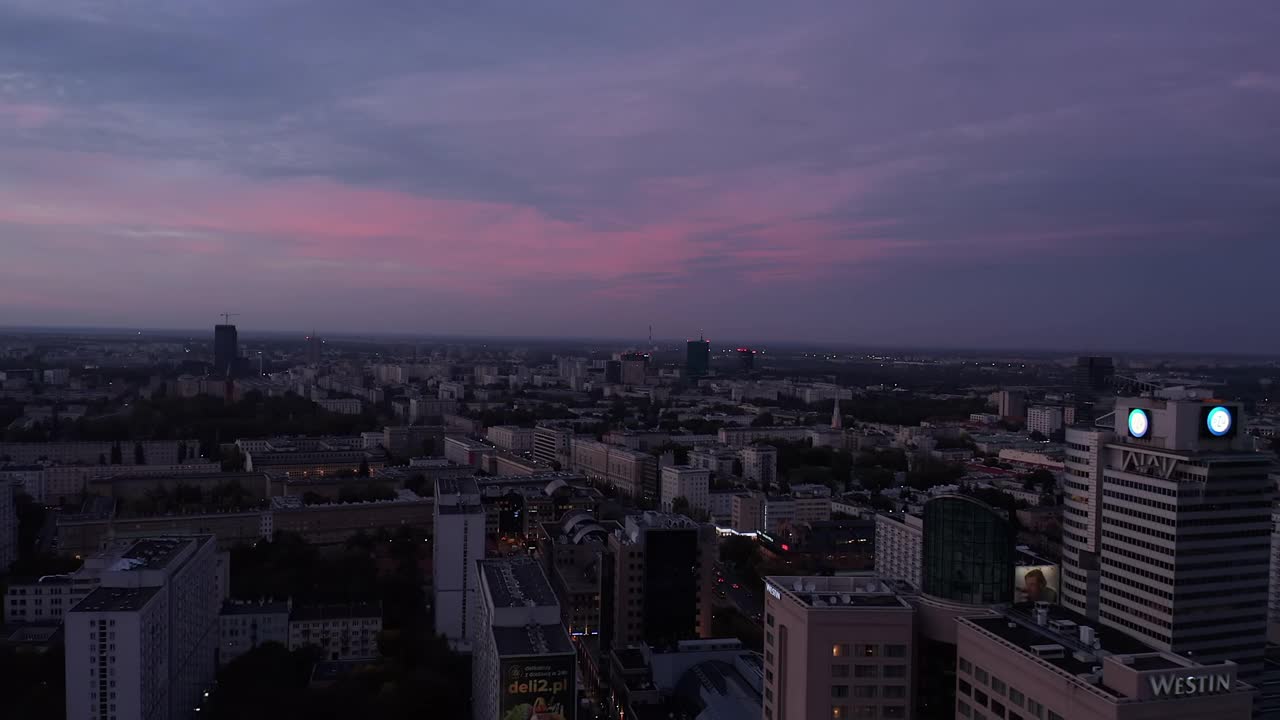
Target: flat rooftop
<point x="532" y="640"/>
<point x="1019" y="627"/>
<point x="254" y="608"/>
<point x="842" y="592"/>
<point x="517" y="582"/>
<point x="154" y="553"/>
<point x="455" y="486"/>
<point x="113" y="599"/>
<point x="308" y="613"/>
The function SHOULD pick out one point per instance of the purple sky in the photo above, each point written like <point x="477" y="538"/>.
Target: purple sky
<point x="1093" y="175"/>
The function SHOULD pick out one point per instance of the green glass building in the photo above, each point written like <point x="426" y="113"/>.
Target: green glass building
<point x="968" y="551"/>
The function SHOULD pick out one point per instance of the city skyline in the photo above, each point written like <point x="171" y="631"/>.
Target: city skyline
<point x="973" y="175"/>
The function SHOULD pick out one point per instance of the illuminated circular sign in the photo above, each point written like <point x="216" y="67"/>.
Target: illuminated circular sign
<point x="1139" y="422"/>
<point x="1219" y="421"/>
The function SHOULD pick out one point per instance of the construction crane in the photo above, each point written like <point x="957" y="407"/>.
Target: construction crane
<point x="226" y="317"/>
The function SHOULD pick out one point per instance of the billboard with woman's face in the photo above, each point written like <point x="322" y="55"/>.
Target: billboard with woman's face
<point x="1035" y="583"/>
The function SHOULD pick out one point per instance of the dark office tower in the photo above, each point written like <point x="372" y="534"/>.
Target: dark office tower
<point x="968" y="551"/>
<point x="747" y="359"/>
<point x="226" y="349"/>
<point x="697" y="358"/>
<point x="613" y="371"/>
<point x="315" y="346"/>
<point x="1092" y="374"/>
<point x="662" y="577"/>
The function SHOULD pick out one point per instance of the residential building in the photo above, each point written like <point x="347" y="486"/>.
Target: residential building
<point x="687" y="482"/>
<point x="459" y="541"/>
<point x="1044" y="419"/>
<point x="743" y="436"/>
<point x="748" y="512"/>
<point x="8" y="525"/>
<point x="553" y="445"/>
<point x="243" y="626"/>
<point x="662" y="574"/>
<point x="522" y="656"/>
<point x="760" y="465"/>
<point x="631" y="472"/>
<point x="511" y="437"/>
<point x="1011" y="404"/>
<point x="340" y="632"/>
<point x="1044" y="661"/>
<point x="837" y="647"/>
<point x="151" y="628"/>
<point x="900" y="546"/>
<point x="1183" y="529"/>
<point x="719" y="460"/>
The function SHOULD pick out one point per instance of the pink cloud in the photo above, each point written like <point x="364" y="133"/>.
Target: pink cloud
<point x="27" y="116"/>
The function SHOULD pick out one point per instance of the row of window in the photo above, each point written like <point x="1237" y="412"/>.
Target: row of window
<point x="999" y="689"/>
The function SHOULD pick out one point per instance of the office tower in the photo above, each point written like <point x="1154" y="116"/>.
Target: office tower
<point x="1081" y="518"/>
<point x="613" y="372"/>
<point x="662" y="577"/>
<point x="524" y="665"/>
<point x="900" y="546"/>
<point x="697" y="361"/>
<point x="692" y="484"/>
<point x="837" y="647"/>
<point x="8" y="526"/>
<point x="315" y="348"/>
<point x="1091" y="374"/>
<point x="968" y="550"/>
<point x="1044" y="419"/>
<point x="459" y="542"/>
<point x="1049" y="663"/>
<point x="746" y="359"/>
<point x="1011" y="404"/>
<point x="1182" y="543"/>
<point x="634" y="368"/>
<point x="143" y="644"/>
<point x="553" y="445"/>
<point x="226" y="350"/>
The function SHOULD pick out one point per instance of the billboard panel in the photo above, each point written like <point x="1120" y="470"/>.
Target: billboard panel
<point x="1035" y="583"/>
<point x="538" y="688"/>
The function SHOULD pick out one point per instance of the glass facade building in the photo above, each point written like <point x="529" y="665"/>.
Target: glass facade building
<point x="968" y="551"/>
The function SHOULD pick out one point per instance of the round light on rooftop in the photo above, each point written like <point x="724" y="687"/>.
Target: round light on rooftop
<point x="1139" y="422"/>
<point x="1219" y="421"/>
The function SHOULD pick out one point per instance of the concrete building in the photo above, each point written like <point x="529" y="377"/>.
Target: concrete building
<point x="900" y="546"/>
<point x="1046" y="662"/>
<point x="464" y="451"/>
<point x="1044" y="419"/>
<point x="511" y="437"/>
<point x="1011" y="404"/>
<point x="743" y="436"/>
<point x="706" y="679"/>
<point x="662" y="574"/>
<point x="697" y="361"/>
<point x="1172" y="511"/>
<point x="837" y="647"/>
<point x="151" y="628"/>
<point x="340" y="632"/>
<point x="243" y="626"/>
<point x="631" y="472"/>
<point x="760" y="465"/>
<point x="8" y="525"/>
<point x="805" y="504"/>
<point x="579" y="565"/>
<point x="523" y="656"/>
<point x="748" y="512"/>
<point x="553" y="445"/>
<point x="718" y="460"/>
<point x="634" y="368"/>
<point x="459" y="542"/>
<point x="687" y="482"/>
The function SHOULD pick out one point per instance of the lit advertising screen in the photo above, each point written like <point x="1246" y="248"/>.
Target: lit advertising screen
<point x="1035" y="583"/>
<point x="538" y="688"/>
<point x="1218" y="421"/>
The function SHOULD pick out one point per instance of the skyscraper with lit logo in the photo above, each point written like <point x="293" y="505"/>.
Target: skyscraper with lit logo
<point x="1167" y="529"/>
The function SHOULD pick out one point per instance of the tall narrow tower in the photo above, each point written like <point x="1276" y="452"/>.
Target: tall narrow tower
<point x="837" y="422"/>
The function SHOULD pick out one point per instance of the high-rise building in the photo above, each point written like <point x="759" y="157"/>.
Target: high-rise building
<point x="760" y="465"/>
<point x="226" y="350"/>
<point x="1091" y="374"/>
<point x="459" y="542"/>
<point x="613" y="372"/>
<point x="1043" y="661"/>
<point x="662" y="576"/>
<point x="691" y="483"/>
<point x="635" y="366"/>
<point x="523" y="658"/>
<point x="697" y="361"/>
<point x="143" y="644"/>
<point x="837" y="647"/>
<point x="746" y="359"/>
<point x="315" y="349"/>
<point x="1044" y="419"/>
<point x="900" y="546"/>
<point x="8" y="526"/>
<point x="1170" y="511"/>
<point x="553" y="445"/>
<point x="1011" y="403"/>
<point x="968" y="551"/>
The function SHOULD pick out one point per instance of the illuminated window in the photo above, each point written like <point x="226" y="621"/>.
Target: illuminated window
<point x="839" y="650"/>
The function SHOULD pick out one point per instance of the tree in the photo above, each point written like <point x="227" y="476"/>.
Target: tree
<point x="763" y="420"/>
<point x="680" y="505"/>
<point x="139" y="455"/>
<point x="364" y="467"/>
<point x="1038" y="436"/>
<point x="117" y="455"/>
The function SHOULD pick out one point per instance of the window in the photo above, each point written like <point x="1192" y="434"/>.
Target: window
<point x="1054" y="716"/>
<point x="840" y="671"/>
<point x="980" y="697"/>
<point x="980" y="674"/>
<point x="866" y="671"/>
<point x="895" y="651"/>
<point x="965" y="667"/>
<point x="964" y="687"/>
<point x="963" y="709"/>
<point x="839" y="712"/>
<point x="768" y="619"/>
<point x="997" y="709"/>
<point x="894" y="692"/>
<point x="1015" y="697"/>
<point x="1035" y="708"/>
<point x="864" y="691"/>
<point x="997" y="685"/>
<point x="868" y="651"/>
<point x="839" y="650"/>
<point x="894" y="711"/>
<point x="895" y="671"/>
<point x="839" y="691"/>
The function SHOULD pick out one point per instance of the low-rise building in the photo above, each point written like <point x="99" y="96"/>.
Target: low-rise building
<point x="243" y="626"/>
<point x="683" y="481"/>
<point x="511" y="437"/>
<point x="341" y="632"/>
<point x="760" y="465"/>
